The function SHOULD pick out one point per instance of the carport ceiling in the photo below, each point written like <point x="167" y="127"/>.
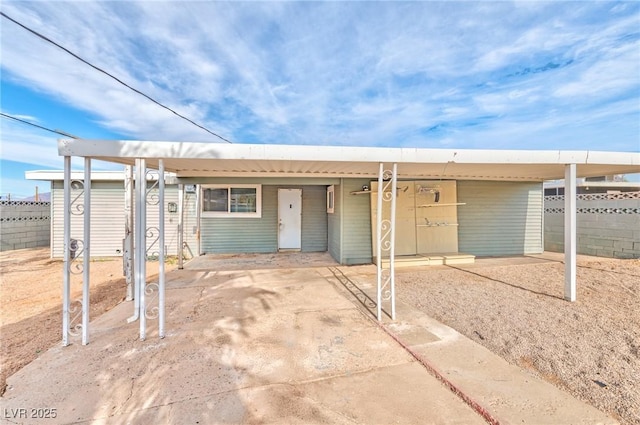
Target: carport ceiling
<point x="187" y="159"/>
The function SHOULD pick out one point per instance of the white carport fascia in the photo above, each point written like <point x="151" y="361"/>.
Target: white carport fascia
<point x="188" y="150"/>
<point x="241" y="160"/>
<point x="58" y="175"/>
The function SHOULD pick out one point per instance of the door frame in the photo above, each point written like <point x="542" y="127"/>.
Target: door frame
<point x="299" y="248"/>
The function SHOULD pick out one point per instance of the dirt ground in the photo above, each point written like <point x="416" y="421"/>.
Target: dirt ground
<point x="589" y="348"/>
<point x="31" y="302"/>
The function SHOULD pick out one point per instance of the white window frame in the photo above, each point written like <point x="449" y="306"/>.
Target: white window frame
<point x="228" y="213"/>
<point x="331" y="199"/>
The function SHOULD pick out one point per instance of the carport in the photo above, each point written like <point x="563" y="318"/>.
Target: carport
<point x="386" y="165"/>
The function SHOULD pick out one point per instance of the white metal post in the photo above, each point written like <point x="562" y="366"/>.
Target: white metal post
<point x="141" y="250"/>
<point x="136" y="244"/>
<point x="180" y="226"/>
<point x="161" y="277"/>
<point x="198" y="217"/>
<point x="392" y="253"/>
<point x="570" y="209"/>
<point x="379" y="239"/>
<point x="66" y="282"/>
<point x="128" y="231"/>
<point x="86" y="277"/>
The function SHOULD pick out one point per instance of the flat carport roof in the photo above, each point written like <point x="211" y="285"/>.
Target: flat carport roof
<point x="187" y="159"/>
<point x="195" y="160"/>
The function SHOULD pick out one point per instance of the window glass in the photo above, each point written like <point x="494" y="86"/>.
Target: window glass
<point x="216" y="200"/>
<point x="243" y="200"/>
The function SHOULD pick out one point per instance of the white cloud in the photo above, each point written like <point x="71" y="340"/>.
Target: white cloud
<point x="333" y="72"/>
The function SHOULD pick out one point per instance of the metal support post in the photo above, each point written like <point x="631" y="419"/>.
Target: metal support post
<point x="127" y="255"/>
<point x="66" y="281"/>
<point x="139" y="186"/>
<point x="379" y="244"/>
<point x="392" y="248"/>
<point x="141" y="243"/>
<point x="161" y="277"/>
<point x="570" y="209"/>
<point x="180" y="226"/>
<point x="86" y="253"/>
<point x="385" y="233"/>
<point x="198" y="217"/>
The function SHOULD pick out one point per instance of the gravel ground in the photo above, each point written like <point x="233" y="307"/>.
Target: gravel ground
<point x="31" y="304"/>
<point x="589" y="348"/>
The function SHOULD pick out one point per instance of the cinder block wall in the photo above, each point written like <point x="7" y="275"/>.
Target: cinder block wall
<point x="24" y="224"/>
<point x="608" y="225"/>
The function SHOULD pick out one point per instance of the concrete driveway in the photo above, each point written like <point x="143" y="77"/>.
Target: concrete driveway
<point x="290" y="345"/>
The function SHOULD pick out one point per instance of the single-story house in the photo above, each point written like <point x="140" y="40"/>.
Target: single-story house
<point x="268" y="198"/>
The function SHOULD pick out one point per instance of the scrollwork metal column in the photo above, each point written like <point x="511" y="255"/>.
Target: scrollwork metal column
<point x="161" y="277"/>
<point x="385" y="234"/>
<point x="75" y="316"/>
<point x="66" y="281"/>
<point x="151" y="292"/>
<point x="86" y="277"/>
<point x="141" y="242"/>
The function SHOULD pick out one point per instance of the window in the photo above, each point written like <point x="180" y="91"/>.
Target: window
<point x="330" y="198"/>
<point x="242" y="200"/>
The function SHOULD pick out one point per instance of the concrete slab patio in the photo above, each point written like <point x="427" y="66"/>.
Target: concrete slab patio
<point x="287" y="345"/>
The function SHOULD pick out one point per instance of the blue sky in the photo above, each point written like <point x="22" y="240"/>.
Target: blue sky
<point x="494" y="75"/>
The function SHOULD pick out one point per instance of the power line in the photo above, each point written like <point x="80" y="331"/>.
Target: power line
<point x="39" y="126"/>
<point x="48" y="40"/>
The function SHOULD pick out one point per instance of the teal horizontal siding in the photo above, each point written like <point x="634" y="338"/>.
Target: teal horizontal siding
<point x="356" y="226"/>
<point x="314" y="218"/>
<point x="334" y="223"/>
<point x="244" y="235"/>
<point x="260" y="235"/>
<point x="500" y="218"/>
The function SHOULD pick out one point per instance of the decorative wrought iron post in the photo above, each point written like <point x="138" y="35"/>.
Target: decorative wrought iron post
<point x="161" y="280"/>
<point x="66" y="281"/>
<point x="149" y="243"/>
<point x="198" y="217"/>
<point x="75" y="316"/>
<point x="86" y="254"/>
<point x="385" y="234"/>
<point x="141" y="241"/>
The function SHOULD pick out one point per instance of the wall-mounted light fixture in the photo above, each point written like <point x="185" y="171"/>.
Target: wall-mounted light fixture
<point x="172" y="207"/>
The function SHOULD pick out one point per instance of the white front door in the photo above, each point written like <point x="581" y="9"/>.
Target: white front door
<point x="289" y="218"/>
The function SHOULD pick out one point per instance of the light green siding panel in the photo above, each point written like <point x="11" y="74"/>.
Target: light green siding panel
<point x="356" y="226"/>
<point x="500" y="218"/>
<point x="244" y="235"/>
<point x="314" y="218"/>
<point x="333" y="223"/>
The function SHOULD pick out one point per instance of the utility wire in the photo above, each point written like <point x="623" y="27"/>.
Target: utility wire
<point x="39" y="126"/>
<point x="37" y="34"/>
